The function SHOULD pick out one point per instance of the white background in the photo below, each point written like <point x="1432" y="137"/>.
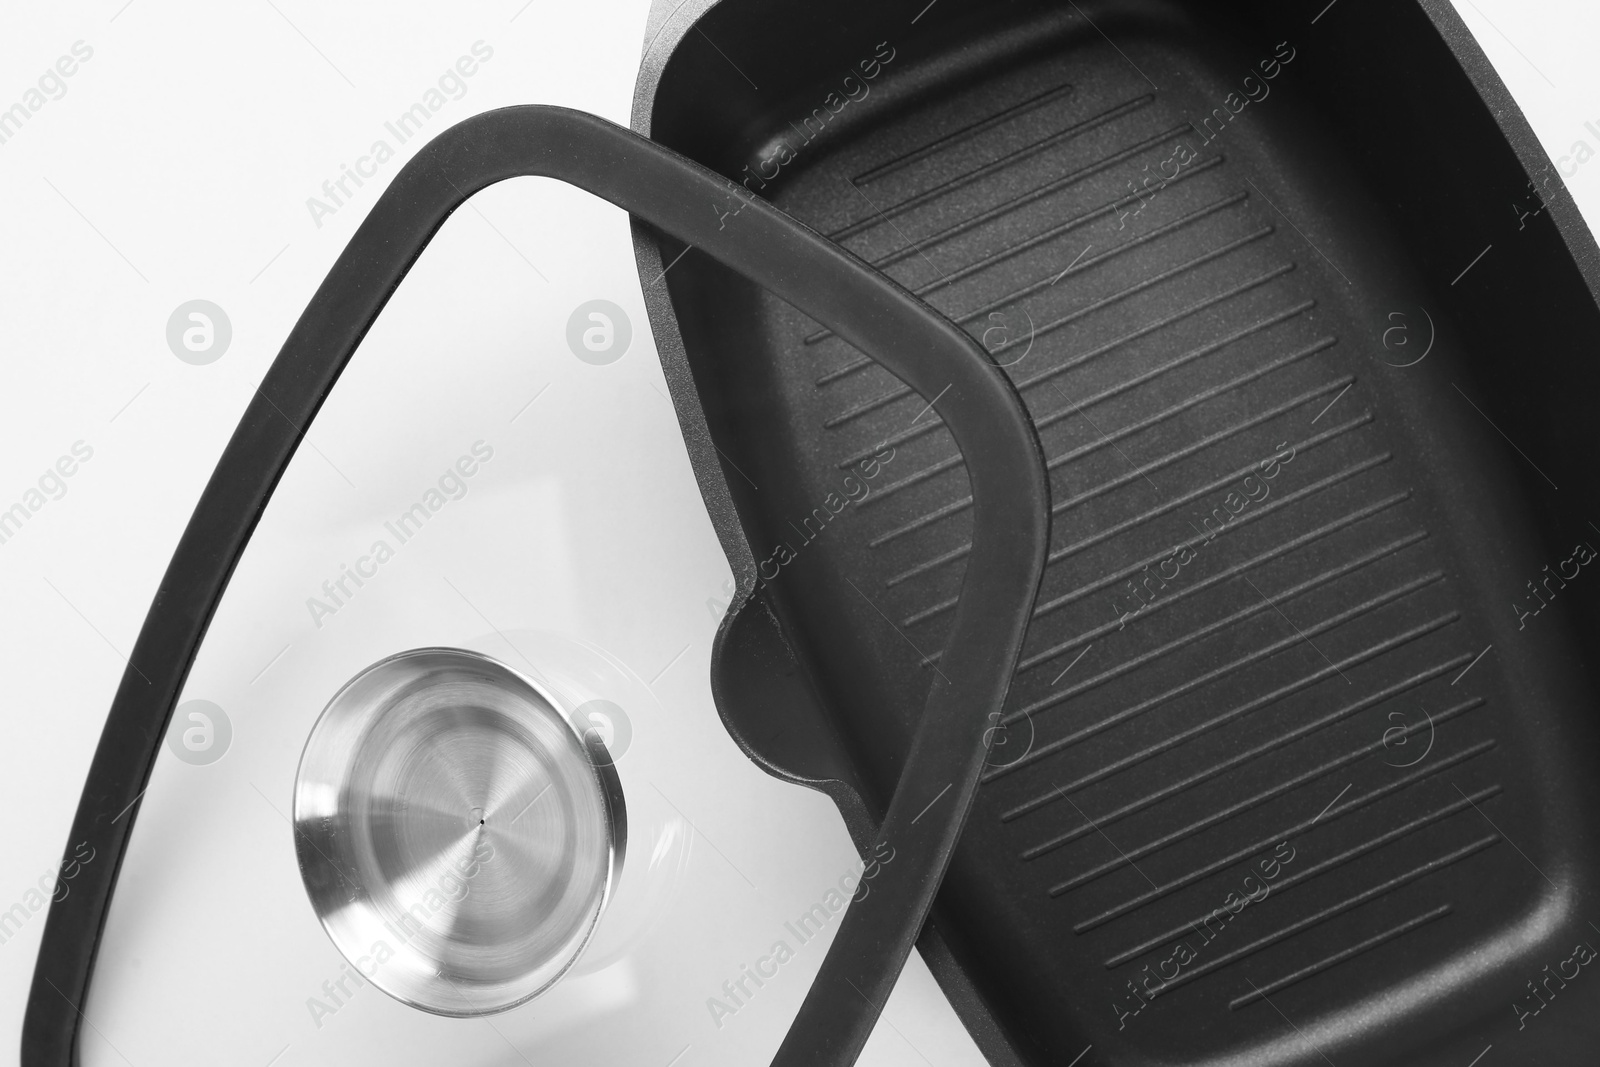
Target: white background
<point x="176" y="166"/>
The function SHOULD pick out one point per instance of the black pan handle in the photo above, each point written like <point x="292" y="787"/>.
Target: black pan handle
<point x="976" y="401"/>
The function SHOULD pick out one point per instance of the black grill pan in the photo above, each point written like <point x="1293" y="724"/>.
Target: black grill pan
<point x="1298" y="762"/>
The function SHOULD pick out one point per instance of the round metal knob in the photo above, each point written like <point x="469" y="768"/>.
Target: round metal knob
<point x="457" y="837"/>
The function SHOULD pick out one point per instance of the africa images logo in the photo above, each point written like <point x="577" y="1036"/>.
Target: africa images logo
<point x="452" y="485"/>
<point x="336" y="192"/>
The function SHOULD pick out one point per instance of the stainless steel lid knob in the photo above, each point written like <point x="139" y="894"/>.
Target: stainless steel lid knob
<point x="457" y="837"/>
